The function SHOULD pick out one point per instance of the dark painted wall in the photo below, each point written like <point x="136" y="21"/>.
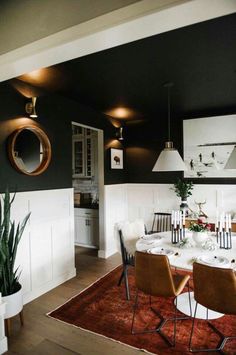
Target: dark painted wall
<point x="142" y="143"/>
<point x="55" y="114"/>
<point x="146" y="142"/>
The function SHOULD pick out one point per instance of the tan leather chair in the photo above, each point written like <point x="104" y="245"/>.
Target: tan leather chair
<point x="211" y="285"/>
<point x="153" y="277"/>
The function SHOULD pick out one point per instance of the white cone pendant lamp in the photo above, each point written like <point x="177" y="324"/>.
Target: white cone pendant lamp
<point x="169" y="159"/>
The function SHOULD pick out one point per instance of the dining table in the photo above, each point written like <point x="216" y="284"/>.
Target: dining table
<point x="182" y="256"/>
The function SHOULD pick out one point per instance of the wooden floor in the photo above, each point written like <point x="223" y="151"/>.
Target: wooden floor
<point x="43" y="336"/>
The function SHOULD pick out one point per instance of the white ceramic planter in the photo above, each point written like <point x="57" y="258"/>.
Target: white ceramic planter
<point x="14" y="304"/>
<point x="199" y="237"/>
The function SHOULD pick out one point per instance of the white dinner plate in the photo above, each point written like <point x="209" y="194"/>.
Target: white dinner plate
<point x="149" y="241"/>
<point x="151" y="237"/>
<point x="211" y="260"/>
<point x="161" y="251"/>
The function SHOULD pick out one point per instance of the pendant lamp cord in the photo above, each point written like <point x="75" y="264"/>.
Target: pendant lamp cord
<point x="169" y="112"/>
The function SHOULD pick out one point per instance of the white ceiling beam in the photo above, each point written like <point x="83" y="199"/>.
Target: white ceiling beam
<point x="143" y="19"/>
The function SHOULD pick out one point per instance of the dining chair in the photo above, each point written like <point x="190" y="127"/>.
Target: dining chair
<point x="127" y="261"/>
<point x="161" y="222"/>
<point x="129" y="233"/>
<point x="211" y="285"/>
<point x="154" y="278"/>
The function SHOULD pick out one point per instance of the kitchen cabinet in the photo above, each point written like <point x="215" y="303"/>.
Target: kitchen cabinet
<point x="86" y="227"/>
<point x="84" y="153"/>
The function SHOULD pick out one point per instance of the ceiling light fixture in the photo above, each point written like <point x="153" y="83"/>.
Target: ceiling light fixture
<point x="119" y="133"/>
<point x="30" y="108"/>
<point x="169" y="158"/>
<point x="231" y="162"/>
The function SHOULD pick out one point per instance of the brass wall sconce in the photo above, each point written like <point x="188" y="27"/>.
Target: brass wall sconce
<point x="30" y="108"/>
<point x="119" y="133"/>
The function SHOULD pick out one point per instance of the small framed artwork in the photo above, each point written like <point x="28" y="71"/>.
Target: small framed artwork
<point x="116" y="156"/>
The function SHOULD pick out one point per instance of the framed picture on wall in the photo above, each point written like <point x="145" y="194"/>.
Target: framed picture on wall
<point x="208" y="145"/>
<point x="116" y="158"/>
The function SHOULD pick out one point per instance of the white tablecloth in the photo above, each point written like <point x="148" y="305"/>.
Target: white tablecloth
<point x="185" y="257"/>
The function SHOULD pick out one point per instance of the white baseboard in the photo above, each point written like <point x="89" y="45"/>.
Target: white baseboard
<point x="86" y="245"/>
<point x="28" y="297"/>
<point x="104" y="254"/>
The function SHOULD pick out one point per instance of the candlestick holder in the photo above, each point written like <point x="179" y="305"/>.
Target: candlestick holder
<point x="224" y="238"/>
<point x="177" y="233"/>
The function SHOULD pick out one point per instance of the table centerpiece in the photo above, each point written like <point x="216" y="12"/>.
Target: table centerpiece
<point x="200" y="231"/>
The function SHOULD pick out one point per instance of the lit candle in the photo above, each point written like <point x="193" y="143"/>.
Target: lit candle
<point x="221" y="223"/>
<point x="175" y="219"/>
<point x="172" y="217"/>
<point x="229" y="221"/>
<point x="179" y="218"/>
<point x="217" y="220"/>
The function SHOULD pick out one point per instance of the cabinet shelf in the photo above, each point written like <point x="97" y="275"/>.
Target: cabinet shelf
<point x="83" y="153"/>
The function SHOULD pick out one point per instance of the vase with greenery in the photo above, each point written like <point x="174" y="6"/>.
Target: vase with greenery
<point x="183" y="189"/>
<point x="10" y="236"/>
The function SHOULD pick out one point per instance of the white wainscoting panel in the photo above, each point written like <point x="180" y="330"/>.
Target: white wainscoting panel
<point x="140" y="201"/>
<point x="46" y="250"/>
<point x="114" y="211"/>
<point x="161" y="197"/>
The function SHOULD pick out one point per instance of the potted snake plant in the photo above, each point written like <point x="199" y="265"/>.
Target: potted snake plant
<point x="10" y="236"/>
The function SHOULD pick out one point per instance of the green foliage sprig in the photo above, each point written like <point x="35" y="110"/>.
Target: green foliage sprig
<point x="183" y="188"/>
<point x="199" y="226"/>
<point x="10" y="235"/>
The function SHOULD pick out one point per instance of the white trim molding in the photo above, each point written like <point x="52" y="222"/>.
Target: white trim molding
<point x="137" y="21"/>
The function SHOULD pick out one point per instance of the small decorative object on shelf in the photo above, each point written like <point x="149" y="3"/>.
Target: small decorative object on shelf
<point x="199" y="230"/>
<point x="177" y="226"/>
<point x="223" y="231"/>
<point x="183" y="189"/>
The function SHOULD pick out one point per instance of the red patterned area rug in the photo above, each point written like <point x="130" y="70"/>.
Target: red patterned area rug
<point x="102" y="308"/>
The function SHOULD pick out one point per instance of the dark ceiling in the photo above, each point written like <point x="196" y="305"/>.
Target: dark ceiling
<point x="200" y="59"/>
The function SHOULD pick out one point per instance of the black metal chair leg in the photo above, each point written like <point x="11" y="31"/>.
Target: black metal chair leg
<point x="191" y="334"/>
<point x="175" y="320"/>
<point x="223" y="339"/>
<point x="189" y="299"/>
<point x="121" y="278"/>
<point x="126" y="283"/>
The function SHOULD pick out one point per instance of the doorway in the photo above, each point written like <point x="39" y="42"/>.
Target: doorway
<point x="88" y="184"/>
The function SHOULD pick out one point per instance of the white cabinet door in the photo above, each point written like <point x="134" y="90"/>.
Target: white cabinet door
<point x="86" y="227"/>
<point x="81" y="230"/>
<point x="93" y="232"/>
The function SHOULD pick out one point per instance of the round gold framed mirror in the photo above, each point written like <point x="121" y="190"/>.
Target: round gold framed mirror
<point x="29" y="150"/>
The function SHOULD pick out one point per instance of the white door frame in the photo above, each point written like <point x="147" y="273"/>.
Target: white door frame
<point x="102" y="242"/>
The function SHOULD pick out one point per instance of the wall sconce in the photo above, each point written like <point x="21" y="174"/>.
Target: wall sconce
<point x="119" y="133"/>
<point x="30" y="108"/>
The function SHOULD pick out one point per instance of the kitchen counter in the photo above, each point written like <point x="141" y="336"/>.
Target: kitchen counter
<point x="90" y="206"/>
